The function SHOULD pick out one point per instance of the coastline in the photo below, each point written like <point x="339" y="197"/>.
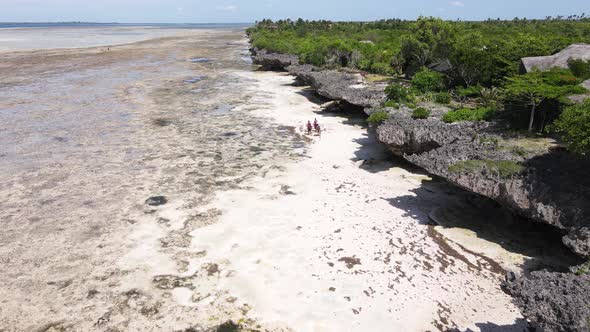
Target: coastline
<point x="261" y="226"/>
<point x="534" y="193"/>
<point x="336" y="241"/>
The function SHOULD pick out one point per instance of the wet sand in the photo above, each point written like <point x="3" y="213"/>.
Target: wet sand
<point x="262" y="224"/>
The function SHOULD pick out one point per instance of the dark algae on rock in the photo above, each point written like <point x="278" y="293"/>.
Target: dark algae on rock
<point x="553" y="301"/>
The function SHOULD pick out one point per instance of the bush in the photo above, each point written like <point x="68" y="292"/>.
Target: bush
<point x="399" y="93"/>
<point x="471" y="91"/>
<point x="580" y="68"/>
<point x="420" y="113"/>
<point x="427" y="80"/>
<point x="470" y="114"/>
<point x="560" y="77"/>
<point x="378" y="117"/>
<point x="391" y="103"/>
<point x="443" y="98"/>
<point x="573" y="125"/>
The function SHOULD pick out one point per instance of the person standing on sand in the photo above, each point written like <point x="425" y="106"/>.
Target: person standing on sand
<point x="316" y="126"/>
<point x="309" y="128"/>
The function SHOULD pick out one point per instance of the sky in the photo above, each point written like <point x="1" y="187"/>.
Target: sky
<point x="247" y="11"/>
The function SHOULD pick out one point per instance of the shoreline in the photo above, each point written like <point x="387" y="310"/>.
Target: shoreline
<point x="261" y="225"/>
<point x="352" y="257"/>
<point x="433" y="145"/>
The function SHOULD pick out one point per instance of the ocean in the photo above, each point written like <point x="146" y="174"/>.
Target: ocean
<point x="34" y="36"/>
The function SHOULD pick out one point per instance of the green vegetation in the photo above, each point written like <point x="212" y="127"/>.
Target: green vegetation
<point x="574" y="127"/>
<point x="536" y="87"/>
<point x="583" y="269"/>
<point x="477" y="52"/>
<point x="503" y="168"/>
<point x="378" y="117"/>
<point x="473" y="65"/>
<point x="580" y="68"/>
<point x="427" y="80"/>
<point x="420" y="113"/>
<point x="469" y="114"/>
<point x="399" y="94"/>
<point x="443" y="98"/>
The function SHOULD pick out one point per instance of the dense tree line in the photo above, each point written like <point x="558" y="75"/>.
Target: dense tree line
<point x="474" y="64"/>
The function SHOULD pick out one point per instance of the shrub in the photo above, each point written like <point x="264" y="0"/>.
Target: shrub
<point x="503" y="168"/>
<point x="399" y="93"/>
<point x="580" y="68"/>
<point x="382" y="68"/>
<point x="420" y="113"/>
<point x="573" y="125"/>
<point x="560" y="77"/>
<point x="378" y="117"/>
<point x="470" y="114"/>
<point x="442" y="98"/>
<point x="391" y="103"/>
<point x="490" y="97"/>
<point x="583" y="269"/>
<point x="471" y="91"/>
<point x="427" y="80"/>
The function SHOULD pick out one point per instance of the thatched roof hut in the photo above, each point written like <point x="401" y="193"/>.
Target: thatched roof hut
<point x="575" y="51"/>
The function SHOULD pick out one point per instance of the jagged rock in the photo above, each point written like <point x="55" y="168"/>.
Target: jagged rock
<point x="551" y="187"/>
<point x="340" y="85"/>
<point x="156" y="201"/>
<point x="579" y="241"/>
<point x="274" y="61"/>
<point x="553" y="301"/>
<point x="574" y="51"/>
<point x="333" y="84"/>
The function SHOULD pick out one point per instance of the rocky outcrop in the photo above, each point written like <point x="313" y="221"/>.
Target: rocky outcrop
<point x="341" y="85"/>
<point x="553" y="301"/>
<point x="574" y="51"/>
<point x="273" y="61"/>
<point x="548" y="185"/>
<point x="346" y="86"/>
<point x="545" y="185"/>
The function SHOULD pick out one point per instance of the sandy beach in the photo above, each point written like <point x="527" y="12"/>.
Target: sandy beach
<point x="250" y="220"/>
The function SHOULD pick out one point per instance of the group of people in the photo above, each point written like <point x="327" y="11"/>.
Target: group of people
<point x="315" y="127"/>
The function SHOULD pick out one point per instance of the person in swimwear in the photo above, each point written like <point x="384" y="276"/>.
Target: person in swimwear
<point x="316" y="126"/>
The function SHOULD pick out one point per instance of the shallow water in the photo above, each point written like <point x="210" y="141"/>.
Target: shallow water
<point x="88" y="136"/>
<point x="22" y="37"/>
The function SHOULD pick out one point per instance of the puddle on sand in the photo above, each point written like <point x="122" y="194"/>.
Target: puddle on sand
<point x="195" y="79"/>
<point x="200" y="60"/>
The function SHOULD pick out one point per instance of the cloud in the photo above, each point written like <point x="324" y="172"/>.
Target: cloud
<point x="180" y="10"/>
<point x="457" y="4"/>
<point x="228" y="8"/>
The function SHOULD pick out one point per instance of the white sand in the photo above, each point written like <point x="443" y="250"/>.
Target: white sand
<point x="287" y="254"/>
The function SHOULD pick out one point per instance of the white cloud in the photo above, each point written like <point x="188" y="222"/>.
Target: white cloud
<point x="457" y="4"/>
<point x="228" y="8"/>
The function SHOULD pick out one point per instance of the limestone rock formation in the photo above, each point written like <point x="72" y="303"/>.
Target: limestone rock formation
<point x="547" y="186"/>
<point x="553" y="301"/>
<point x="574" y="51"/>
<point x="274" y="61"/>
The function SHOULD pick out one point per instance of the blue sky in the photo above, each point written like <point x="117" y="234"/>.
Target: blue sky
<point x="201" y="11"/>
